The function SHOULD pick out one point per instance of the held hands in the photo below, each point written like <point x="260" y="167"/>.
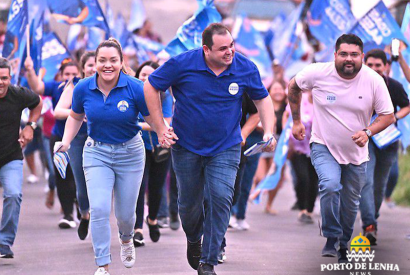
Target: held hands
<point x="298" y="130"/>
<point x="360" y="138"/>
<point x="60" y="147"/>
<point x="26" y="135"/>
<point x="167" y="137"/>
<point x="271" y="147"/>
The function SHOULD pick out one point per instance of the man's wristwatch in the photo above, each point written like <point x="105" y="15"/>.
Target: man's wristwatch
<point x="368" y="132"/>
<point x="32" y="124"/>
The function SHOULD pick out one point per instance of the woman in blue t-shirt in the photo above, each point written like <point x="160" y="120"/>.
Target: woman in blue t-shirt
<point x="156" y="168"/>
<point x="114" y="155"/>
<point x="66" y="189"/>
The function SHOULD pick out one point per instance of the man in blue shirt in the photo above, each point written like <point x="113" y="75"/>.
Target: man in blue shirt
<point x="207" y="84"/>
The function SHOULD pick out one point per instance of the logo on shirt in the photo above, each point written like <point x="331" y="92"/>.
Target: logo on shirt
<point x="331" y="98"/>
<point x="233" y="88"/>
<point x="122" y="106"/>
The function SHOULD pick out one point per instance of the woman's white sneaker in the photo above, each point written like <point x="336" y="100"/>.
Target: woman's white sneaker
<point x="101" y="271"/>
<point x="127" y="254"/>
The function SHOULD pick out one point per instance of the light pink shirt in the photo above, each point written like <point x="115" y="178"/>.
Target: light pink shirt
<point x="342" y="107"/>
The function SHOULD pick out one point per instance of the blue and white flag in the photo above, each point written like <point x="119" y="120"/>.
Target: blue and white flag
<point x="61" y="160"/>
<point x="285" y="37"/>
<point x="329" y="19"/>
<point x="109" y="15"/>
<point x="15" y="40"/>
<point x="53" y="53"/>
<point x="36" y="42"/>
<point x="84" y="12"/>
<point x="377" y="28"/>
<point x="405" y="25"/>
<point x="94" y="38"/>
<point x="271" y="181"/>
<point x="137" y="17"/>
<point x="189" y="35"/>
<point x="250" y="42"/>
<point x="73" y="38"/>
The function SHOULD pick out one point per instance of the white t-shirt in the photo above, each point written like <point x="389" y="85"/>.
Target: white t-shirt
<point x="342" y="107"/>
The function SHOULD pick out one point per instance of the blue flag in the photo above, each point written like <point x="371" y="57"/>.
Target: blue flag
<point x="377" y="28"/>
<point x="189" y="35"/>
<point x="94" y="38"/>
<point x="15" y="40"/>
<point x="403" y="124"/>
<point x="329" y="19"/>
<point x="84" y="12"/>
<point x="36" y="42"/>
<point x="109" y="15"/>
<point x="250" y="42"/>
<point x="405" y="25"/>
<point x="138" y="16"/>
<point x="74" y="38"/>
<point x="53" y="53"/>
<point x="284" y="43"/>
<point x="281" y="153"/>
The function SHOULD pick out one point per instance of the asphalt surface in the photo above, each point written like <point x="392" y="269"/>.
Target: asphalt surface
<point x="273" y="245"/>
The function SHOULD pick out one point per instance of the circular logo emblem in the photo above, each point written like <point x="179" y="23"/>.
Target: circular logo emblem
<point x="122" y="106"/>
<point x="331" y="98"/>
<point x="233" y="88"/>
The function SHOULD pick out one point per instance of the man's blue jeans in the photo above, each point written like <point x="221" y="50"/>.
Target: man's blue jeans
<point x="378" y="170"/>
<point x="205" y="180"/>
<point x="112" y="168"/>
<point x="339" y="189"/>
<point x="11" y="177"/>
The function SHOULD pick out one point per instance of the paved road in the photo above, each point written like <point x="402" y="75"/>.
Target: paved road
<point x="274" y="244"/>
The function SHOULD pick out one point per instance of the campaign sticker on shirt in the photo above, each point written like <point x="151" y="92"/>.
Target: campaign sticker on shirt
<point x="122" y="106"/>
<point x="331" y="98"/>
<point x="233" y="88"/>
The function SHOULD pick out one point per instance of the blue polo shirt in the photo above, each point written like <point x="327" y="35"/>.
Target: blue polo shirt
<point x="208" y="107"/>
<point x="54" y="89"/>
<point x="167" y="103"/>
<point x="111" y="119"/>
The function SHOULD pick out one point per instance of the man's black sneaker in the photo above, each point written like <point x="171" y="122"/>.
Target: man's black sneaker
<point x="342" y="256"/>
<point x="330" y="249"/>
<point x="370" y="232"/>
<point x="174" y="222"/>
<point x="67" y="222"/>
<point x="206" y="269"/>
<point x="193" y="253"/>
<point x="83" y="229"/>
<point x="5" y="252"/>
<point x="138" y="239"/>
<point x="154" y="233"/>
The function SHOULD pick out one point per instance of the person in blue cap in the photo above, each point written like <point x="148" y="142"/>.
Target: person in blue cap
<point x="208" y="84"/>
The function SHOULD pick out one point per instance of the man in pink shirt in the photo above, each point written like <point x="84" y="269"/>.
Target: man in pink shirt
<point x="345" y="94"/>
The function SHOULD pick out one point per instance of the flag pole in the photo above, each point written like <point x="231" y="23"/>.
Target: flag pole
<point x="28" y="39"/>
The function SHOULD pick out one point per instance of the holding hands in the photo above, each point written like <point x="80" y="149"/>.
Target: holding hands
<point x="167" y="137"/>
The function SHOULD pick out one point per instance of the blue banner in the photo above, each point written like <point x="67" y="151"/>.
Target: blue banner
<point x="109" y="15"/>
<point x="15" y="40"/>
<point x="377" y="28"/>
<point x="84" y="12"/>
<point x="189" y="35"/>
<point x="53" y="52"/>
<point x="271" y="181"/>
<point x="138" y="16"/>
<point x="283" y="48"/>
<point x="250" y="42"/>
<point x="94" y="38"/>
<point x="36" y="42"/>
<point x="329" y="19"/>
<point x="405" y="24"/>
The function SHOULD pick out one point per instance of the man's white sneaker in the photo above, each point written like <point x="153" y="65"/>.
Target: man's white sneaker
<point x="242" y="225"/>
<point x="233" y="222"/>
<point x="32" y="179"/>
<point x="101" y="271"/>
<point x="127" y="254"/>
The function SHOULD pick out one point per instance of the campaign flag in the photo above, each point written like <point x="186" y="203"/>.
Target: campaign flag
<point x="15" y="39"/>
<point x="53" y="52"/>
<point x="94" y="38"/>
<point x="138" y="16"/>
<point x="84" y="12"/>
<point x="285" y="37"/>
<point x="403" y="124"/>
<point x="121" y="33"/>
<point x="377" y="28"/>
<point x="250" y="42"/>
<point x="189" y="35"/>
<point x="271" y="181"/>
<point x="109" y="15"/>
<point x="405" y="24"/>
<point x="329" y="19"/>
<point x="36" y="42"/>
<point x="74" y="36"/>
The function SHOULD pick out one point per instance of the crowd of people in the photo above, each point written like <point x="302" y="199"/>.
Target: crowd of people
<point x="157" y="135"/>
